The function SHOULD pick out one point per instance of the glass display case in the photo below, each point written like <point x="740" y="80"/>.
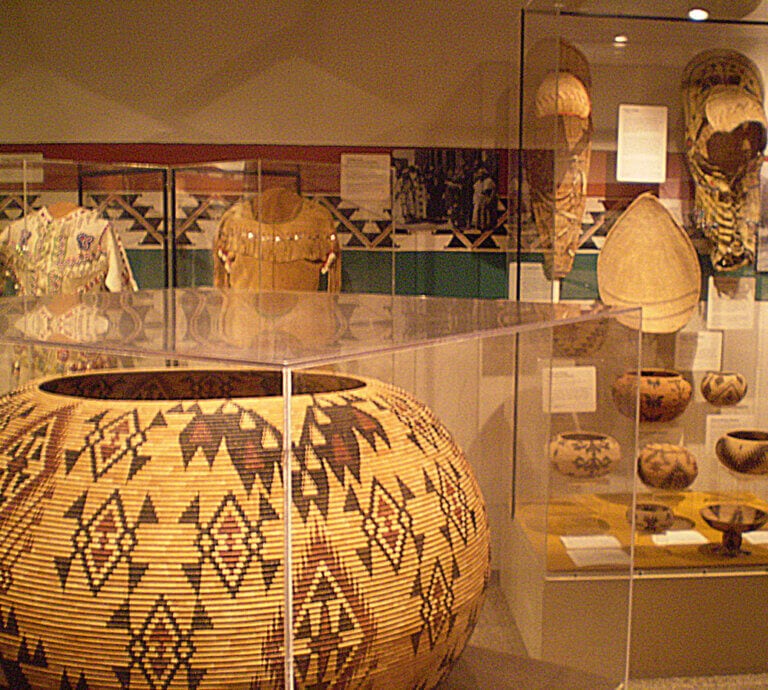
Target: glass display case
<point x="571" y="542"/>
<point x="117" y="210"/>
<point x="397" y="222"/>
<point x="173" y="222"/>
<point x="203" y="483"/>
<point x="408" y="221"/>
<point x="284" y="217"/>
<point x="655" y="124"/>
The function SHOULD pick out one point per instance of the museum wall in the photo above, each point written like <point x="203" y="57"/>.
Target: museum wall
<point x="268" y="72"/>
<point x="171" y="82"/>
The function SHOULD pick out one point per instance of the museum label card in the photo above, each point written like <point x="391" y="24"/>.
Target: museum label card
<point x="730" y="303"/>
<point x="591" y="541"/>
<point x="641" y="154"/>
<point x="717" y="425"/>
<point x="365" y="180"/>
<point x="534" y="284"/>
<point x="569" y="389"/>
<point x="681" y="537"/>
<point x="698" y="350"/>
<point x="593" y="550"/>
<point x="757" y="538"/>
<point x="584" y="558"/>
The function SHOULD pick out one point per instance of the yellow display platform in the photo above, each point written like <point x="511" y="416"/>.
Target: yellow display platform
<point x="681" y="593"/>
<point x="588" y="514"/>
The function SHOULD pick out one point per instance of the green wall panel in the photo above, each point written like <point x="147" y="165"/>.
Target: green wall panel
<point x="147" y="266"/>
<point x="369" y="272"/>
<point x="581" y="282"/>
<point x="452" y="274"/>
<point x="443" y="274"/>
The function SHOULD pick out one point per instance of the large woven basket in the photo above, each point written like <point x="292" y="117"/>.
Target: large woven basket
<point x="142" y="530"/>
<point x="649" y="261"/>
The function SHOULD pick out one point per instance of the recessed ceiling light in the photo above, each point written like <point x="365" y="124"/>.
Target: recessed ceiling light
<point x="620" y="40"/>
<point x="698" y="14"/>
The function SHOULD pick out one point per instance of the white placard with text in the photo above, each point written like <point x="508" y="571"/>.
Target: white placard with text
<point x="569" y="389"/>
<point x="641" y="154"/>
<point x="718" y="425"/>
<point x="698" y="350"/>
<point x="731" y="303"/>
<point x="366" y="180"/>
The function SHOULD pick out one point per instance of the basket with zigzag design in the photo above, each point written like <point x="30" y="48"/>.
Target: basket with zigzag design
<point x="143" y="532"/>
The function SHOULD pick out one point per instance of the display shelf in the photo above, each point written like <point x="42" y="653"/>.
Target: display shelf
<point x="638" y="61"/>
<point x="683" y="546"/>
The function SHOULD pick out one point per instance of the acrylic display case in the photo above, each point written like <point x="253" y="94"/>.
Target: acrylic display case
<point x="498" y="380"/>
<point x="383" y="223"/>
<point x="404" y="222"/>
<point x="283" y="217"/>
<point x="697" y="585"/>
<point x="571" y="536"/>
<point x="133" y="199"/>
<point x="168" y="217"/>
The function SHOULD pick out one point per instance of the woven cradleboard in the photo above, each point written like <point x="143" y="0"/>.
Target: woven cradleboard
<point x="649" y="261"/>
<point x="557" y="157"/>
<point x="725" y="137"/>
<point x="277" y="240"/>
<point x="142" y="534"/>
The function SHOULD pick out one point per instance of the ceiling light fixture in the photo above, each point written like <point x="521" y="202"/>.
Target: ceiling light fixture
<point x="620" y="40"/>
<point x="698" y="14"/>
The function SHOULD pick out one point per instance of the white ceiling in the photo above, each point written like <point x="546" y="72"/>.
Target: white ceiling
<point x="190" y="70"/>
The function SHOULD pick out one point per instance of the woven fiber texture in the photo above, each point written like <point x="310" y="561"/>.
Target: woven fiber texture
<point x="725" y="137"/>
<point x="649" y="261"/>
<point x="558" y="157"/>
<point x="142" y="530"/>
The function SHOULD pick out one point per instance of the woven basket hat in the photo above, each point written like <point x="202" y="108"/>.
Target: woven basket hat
<point x="558" y="156"/>
<point x="649" y="261"/>
<point x="725" y="137"/>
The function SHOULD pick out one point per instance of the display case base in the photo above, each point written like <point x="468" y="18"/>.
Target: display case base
<point x="699" y="625"/>
<point x="700" y="621"/>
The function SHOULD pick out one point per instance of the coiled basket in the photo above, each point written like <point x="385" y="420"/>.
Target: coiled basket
<point x="142" y="533"/>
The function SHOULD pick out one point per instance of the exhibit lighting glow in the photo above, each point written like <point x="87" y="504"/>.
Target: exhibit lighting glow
<point x="698" y="14"/>
<point x="620" y="40"/>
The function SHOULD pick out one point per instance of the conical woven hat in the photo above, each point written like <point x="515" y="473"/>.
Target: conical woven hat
<point x="649" y="261"/>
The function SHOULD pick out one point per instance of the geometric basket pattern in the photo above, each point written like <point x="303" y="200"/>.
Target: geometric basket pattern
<point x="141" y="534"/>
